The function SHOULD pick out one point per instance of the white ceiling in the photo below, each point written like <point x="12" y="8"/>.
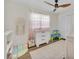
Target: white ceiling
<point x="39" y="4"/>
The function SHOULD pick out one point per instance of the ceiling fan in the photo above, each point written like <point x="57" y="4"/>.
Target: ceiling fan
<point x="56" y="5"/>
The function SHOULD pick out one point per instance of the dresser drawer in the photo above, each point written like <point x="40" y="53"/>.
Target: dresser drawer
<point x="42" y="37"/>
<point x="41" y="40"/>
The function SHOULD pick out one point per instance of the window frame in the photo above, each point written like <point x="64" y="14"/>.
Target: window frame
<point x="41" y="17"/>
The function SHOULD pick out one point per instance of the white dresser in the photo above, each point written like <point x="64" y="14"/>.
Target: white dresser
<point x="42" y="37"/>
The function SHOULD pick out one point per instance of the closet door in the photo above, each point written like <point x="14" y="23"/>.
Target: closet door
<point x="66" y="24"/>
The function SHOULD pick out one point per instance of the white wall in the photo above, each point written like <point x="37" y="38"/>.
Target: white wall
<point x="66" y="23"/>
<point x="12" y="12"/>
<point x="54" y="21"/>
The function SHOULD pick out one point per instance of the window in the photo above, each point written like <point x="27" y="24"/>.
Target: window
<point x="40" y="21"/>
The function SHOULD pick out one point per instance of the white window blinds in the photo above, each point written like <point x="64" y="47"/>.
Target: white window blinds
<point x="40" y="21"/>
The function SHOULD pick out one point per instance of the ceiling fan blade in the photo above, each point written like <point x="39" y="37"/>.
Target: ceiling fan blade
<point x="64" y="5"/>
<point x="49" y="3"/>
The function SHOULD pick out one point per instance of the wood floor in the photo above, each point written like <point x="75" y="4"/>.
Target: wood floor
<point x="25" y="56"/>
